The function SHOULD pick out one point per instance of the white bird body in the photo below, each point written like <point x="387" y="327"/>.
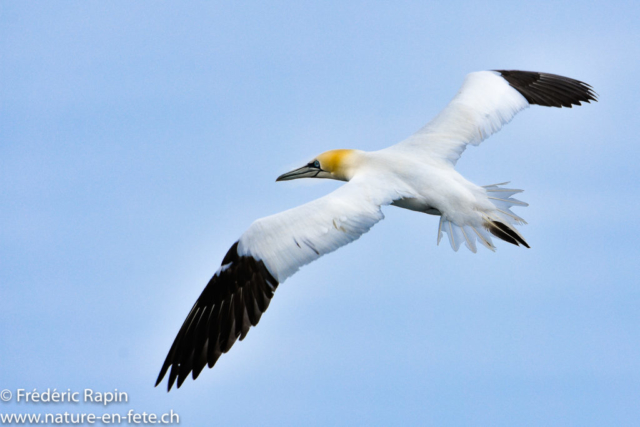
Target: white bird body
<point x="416" y="174"/>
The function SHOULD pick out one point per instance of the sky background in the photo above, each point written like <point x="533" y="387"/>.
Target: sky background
<point x="138" y="140"/>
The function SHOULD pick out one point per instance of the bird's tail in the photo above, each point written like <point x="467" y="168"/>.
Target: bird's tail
<point x="499" y="223"/>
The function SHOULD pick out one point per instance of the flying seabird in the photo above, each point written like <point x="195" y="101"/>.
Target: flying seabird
<point x="417" y="174"/>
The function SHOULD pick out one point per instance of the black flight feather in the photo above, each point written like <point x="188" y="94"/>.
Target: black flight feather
<point x="549" y="90"/>
<point x="232" y="302"/>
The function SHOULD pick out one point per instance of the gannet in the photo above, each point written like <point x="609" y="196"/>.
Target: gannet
<point x="417" y="174"/>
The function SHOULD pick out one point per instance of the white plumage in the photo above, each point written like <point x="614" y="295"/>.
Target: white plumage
<point x="417" y="174"/>
<point x="290" y="239"/>
<point x="484" y="104"/>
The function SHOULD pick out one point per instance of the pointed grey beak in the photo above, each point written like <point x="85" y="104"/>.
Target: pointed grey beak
<point x="303" y="172"/>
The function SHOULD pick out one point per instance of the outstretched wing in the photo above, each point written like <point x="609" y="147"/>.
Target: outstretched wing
<point x="486" y="101"/>
<point x="272" y="249"/>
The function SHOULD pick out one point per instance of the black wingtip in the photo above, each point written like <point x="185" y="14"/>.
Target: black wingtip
<point x="234" y="300"/>
<point x="549" y="90"/>
<point x="159" y="380"/>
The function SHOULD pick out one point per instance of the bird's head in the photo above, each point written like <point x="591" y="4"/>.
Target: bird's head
<point x="334" y="164"/>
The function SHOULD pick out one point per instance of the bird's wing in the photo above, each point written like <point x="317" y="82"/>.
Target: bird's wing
<point x="272" y="249"/>
<point x="486" y="101"/>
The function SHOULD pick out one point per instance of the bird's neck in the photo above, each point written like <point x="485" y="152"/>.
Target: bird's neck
<point x="343" y="164"/>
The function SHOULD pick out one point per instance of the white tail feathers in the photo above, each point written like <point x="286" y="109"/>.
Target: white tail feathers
<point x="499" y="222"/>
<point x="466" y="234"/>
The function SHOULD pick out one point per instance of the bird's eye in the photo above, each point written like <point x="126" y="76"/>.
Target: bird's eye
<point x="316" y="164"/>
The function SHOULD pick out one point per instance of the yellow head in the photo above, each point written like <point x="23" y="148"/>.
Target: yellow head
<point x="333" y="164"/>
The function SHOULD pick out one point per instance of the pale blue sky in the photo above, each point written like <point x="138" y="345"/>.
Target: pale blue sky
<point x="138" y="140"/>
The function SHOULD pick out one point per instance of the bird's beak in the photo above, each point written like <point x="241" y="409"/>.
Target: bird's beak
<point x="303" y="172"/>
